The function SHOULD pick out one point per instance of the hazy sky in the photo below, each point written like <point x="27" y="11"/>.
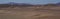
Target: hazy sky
<point x="31" y="1"/>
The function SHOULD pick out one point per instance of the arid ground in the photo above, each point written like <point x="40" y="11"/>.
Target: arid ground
<point x="30" y="13"/>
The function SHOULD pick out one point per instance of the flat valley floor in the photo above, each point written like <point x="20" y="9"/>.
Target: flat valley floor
<point x="30" y="13"/>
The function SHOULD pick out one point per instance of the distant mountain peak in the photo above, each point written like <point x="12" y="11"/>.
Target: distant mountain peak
<point x="58" y="3"/>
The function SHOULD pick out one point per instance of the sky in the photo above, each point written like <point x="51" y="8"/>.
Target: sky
<point x="31" y="1"/>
